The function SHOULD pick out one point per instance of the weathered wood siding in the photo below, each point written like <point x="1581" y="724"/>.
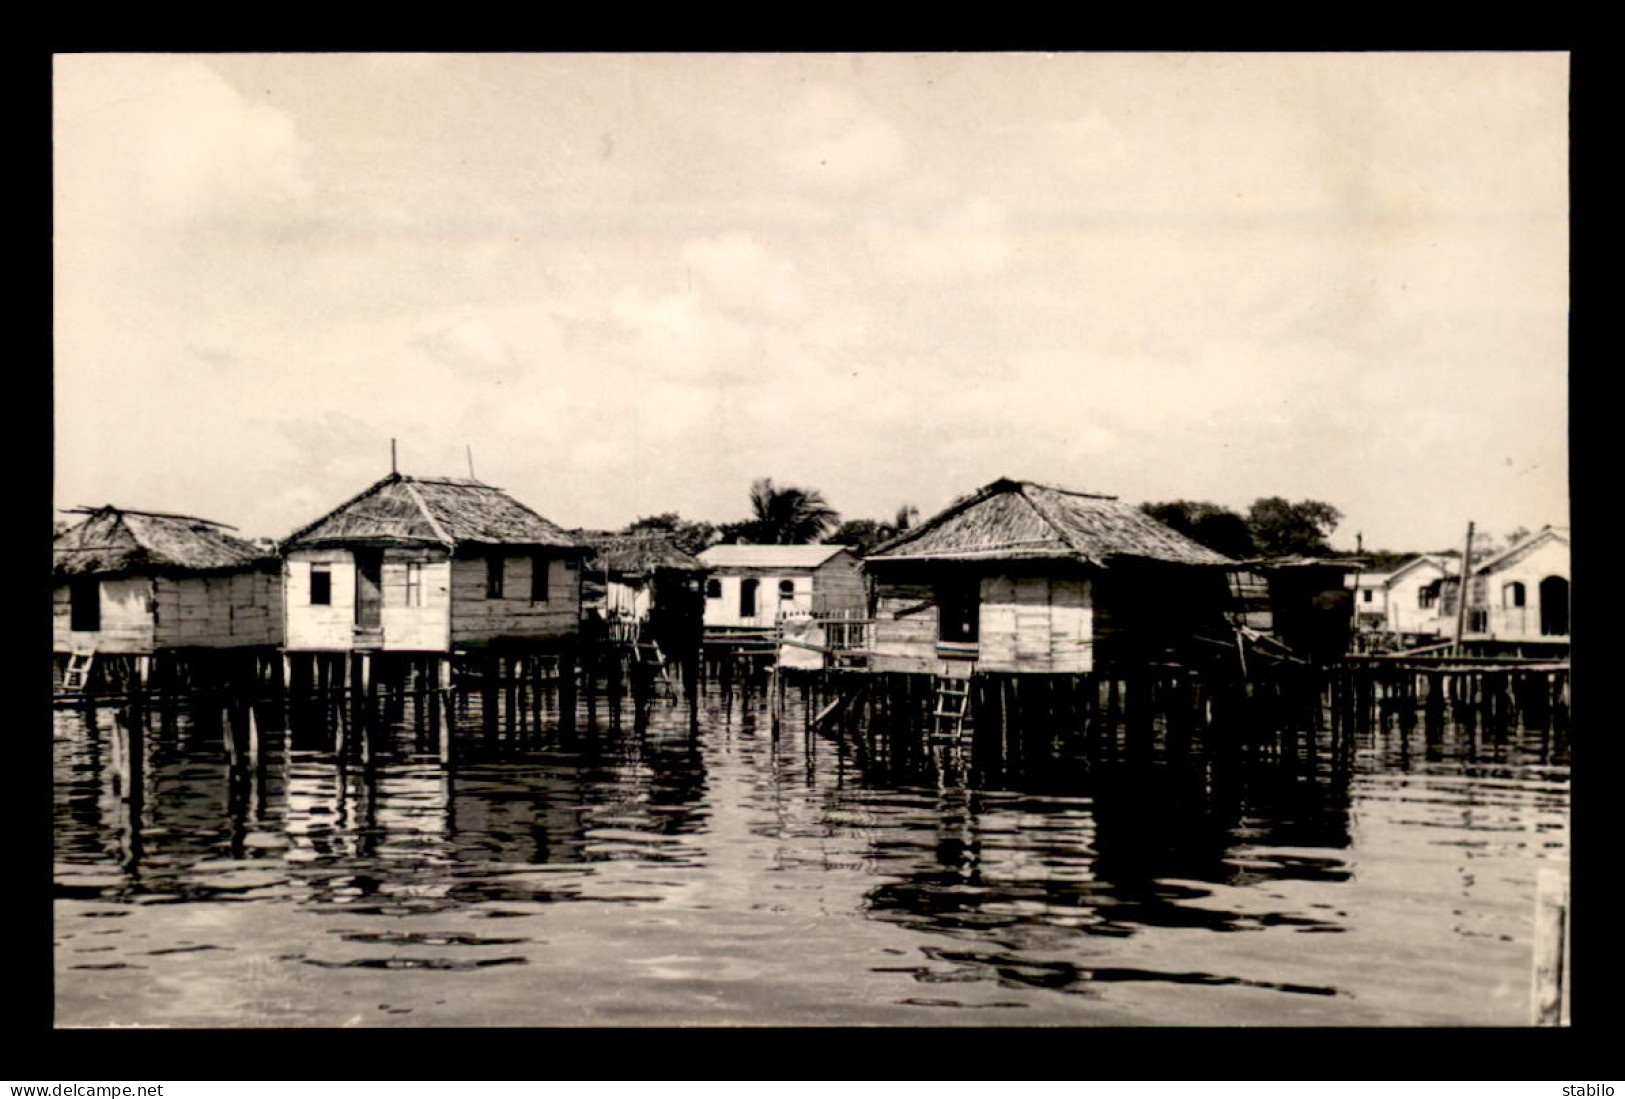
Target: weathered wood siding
<point x="220" y="611"/>
<point x="425" y="624"/>
<point x="1026" y="623"/>
<point x="127" y="624"/>
<point x="1036" y="624"/>
<point x="905" y="628"/>
<point x="476" y="620"/>
<point x="319" y="627"/>
<point x="837" y="586"/>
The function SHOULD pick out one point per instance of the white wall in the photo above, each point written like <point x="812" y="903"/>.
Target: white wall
<point x="724" y="611"/>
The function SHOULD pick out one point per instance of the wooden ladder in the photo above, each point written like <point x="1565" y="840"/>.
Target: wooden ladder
<point x="651" y="659"/>
<point x="953" y="703"/>
<point x="77" y="677"/>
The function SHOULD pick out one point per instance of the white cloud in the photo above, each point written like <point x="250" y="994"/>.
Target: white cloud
<point x="967" y="241"/>
<point x="833" y="138"/>
<point x="1091" y="146"/>
<point x="471" y="346"/>
<point x="208" y="151"/>
<point x="741" y="275"/>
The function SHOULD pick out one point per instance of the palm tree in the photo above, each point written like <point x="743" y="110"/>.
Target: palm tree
<point x="789" y="516"/>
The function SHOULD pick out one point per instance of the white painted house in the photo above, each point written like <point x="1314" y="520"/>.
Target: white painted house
<point x="1522" y="594"/>
<point x="1414" y="606"/>
<point x="430" y="564"/>
<point x="757" y="586"/>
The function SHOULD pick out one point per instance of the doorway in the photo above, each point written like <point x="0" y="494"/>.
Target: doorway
<point x="1554" y="607"/>
<point x="369" y="587"/>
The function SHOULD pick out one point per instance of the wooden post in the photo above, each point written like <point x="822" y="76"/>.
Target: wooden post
<point x="1549" y="993"/>
<point x="1463" y="590"/>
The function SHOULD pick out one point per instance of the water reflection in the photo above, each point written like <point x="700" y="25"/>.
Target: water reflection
<point x="1033" y="864"/>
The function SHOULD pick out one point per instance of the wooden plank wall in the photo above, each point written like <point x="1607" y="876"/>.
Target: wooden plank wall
<point x="319" y="627"/>
<point x="127" y="619"/>
<point x="904" y="642"/>
<point x="837" y="585"/>
<point x="220" y="611"/>
<point x="1029" y="623"/>
<point x="426" y="625"/>
<point x="476" y="620"/>
<point x="1036" y="624"/>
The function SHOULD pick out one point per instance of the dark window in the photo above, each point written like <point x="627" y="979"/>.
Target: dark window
<point x="1428" y="596"/>
<point x="713" y="589"/>
<point x="747" y="598"/>
<point x="787" y="589"/>
<point x="493" y="576"/>
<point x="959" y="606"/>
<point x="538" y="578"/>
<point x="85" y="596"/>
<point x="1513" y="595"/>
<point x="321" y="586"/>
<point x="1368" y="595"/>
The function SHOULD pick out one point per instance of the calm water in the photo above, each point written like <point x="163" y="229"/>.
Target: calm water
<point x="658" y="876"/>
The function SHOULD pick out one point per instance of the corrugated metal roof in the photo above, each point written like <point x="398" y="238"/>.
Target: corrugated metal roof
<point x="770" y="557"/>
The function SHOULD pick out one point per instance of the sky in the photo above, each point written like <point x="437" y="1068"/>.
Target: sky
<point x="633" y="284"/>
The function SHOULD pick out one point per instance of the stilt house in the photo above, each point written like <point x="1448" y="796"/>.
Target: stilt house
<point x="1023" y="577"/>
<point x="1522" y="594"/>
<point x="645" y="588"/>
<point x="139" y="582"/>
<point x="431" y="564"/>
<point x="755" y="587"/>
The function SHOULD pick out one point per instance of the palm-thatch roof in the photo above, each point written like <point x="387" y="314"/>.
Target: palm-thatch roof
<point x="1017" y="520"/>
<point x="445" y="511"/>
<point x="118" y="540"/>
<point x="640" y="554"/>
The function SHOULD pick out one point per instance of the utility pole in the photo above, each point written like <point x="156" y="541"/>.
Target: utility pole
<point x="1462" y="589"/>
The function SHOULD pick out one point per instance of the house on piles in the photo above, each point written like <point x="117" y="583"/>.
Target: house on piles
<point x="1520" y="597"/>
<point x="431" y="565"/>
<point x="645" y="588"/>
<point x="135" y="583"/>
<point x="757" y="587"/>
<point x="1404" y="604"/>
<point x="1311" y="603"/>
<point x="1023" y="577"/>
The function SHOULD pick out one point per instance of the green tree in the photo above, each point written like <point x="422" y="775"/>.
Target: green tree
<point x="1281" y="528"/>
<point x="691" y="537"/>
<point x="1219" y="529"/>
<point x="864" y="535"/>
<point x="786" y="516"/>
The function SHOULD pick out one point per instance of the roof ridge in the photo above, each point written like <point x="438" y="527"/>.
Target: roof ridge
<point x="1070" y="491"/>
<point x="1049" y="519"/>
<point x="423" y="506"/>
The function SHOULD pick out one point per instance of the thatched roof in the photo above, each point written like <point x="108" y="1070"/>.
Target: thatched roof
<point x="117" y="540"/>
<point x="639" y="554"/>
<point x="1014" y="520"/>
<point x="444" y="511"/>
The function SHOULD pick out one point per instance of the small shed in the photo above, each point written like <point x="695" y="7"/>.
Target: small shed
<point x="1024" y="577"/>
<point x="645" y="587"/>
<point x="1311" y="603"/>
<point x="430" y="564"/>
<point x="139" y="582"/>
<point x="753" y="587"/>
